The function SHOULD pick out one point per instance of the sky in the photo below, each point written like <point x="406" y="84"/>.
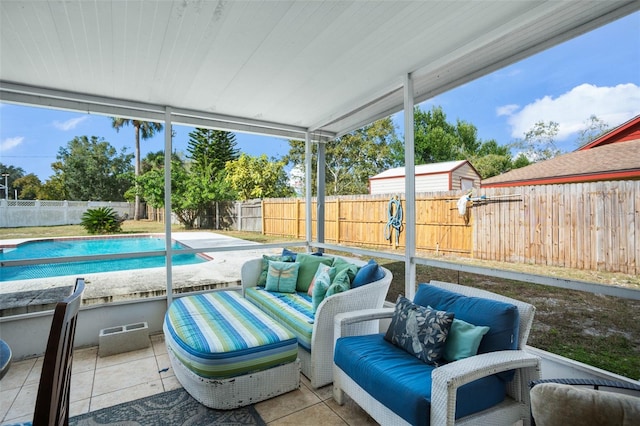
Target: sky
<point x="595" y="74"/>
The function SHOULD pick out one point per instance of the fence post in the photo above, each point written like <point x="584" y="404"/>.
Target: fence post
<point x="4" y="208"/>
<point x="217" y="216"/>
<point x="337" y="219"/>
<point x="297" y="235"/>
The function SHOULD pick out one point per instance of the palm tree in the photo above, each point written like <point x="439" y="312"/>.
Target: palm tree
<point x="144" y="130"/>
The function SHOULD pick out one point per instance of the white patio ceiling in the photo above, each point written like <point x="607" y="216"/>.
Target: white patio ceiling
<point x="271" y="67"/>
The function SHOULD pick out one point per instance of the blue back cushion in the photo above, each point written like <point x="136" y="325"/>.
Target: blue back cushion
<point x="501" y="318"/>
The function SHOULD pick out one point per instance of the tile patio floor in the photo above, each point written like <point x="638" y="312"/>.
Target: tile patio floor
<point x="102" y="382"/>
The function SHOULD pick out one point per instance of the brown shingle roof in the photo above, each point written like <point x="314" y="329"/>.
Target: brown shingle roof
<point x="619" y="160"/>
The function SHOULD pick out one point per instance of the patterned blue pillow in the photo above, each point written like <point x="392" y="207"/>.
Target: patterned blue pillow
<point x="282" y="276"/>
<point x="419" y="330"/>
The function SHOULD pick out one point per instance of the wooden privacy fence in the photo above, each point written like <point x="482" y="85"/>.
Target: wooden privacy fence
<point x="591" y="226"/>
<point x="362" y="219"/>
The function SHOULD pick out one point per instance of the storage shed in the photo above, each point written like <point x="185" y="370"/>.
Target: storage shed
<point x="446" y="176"/>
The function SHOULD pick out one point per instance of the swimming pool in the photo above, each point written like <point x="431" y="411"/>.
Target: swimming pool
<point x="61" y="248"/>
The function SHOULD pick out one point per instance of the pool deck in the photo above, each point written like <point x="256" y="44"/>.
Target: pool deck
<point x="25" y="296"/>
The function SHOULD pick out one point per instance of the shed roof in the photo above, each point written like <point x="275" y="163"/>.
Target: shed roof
<point x="281" y="68"/>
<point x="422" y="169"/>
<point x="606" y="162"/>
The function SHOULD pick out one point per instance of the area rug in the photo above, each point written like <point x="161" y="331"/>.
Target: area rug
<point x="175" y="407"/>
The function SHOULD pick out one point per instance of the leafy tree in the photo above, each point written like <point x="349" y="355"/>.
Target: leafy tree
<point x="539" y="142"/>
<point x="151" y="187"/>
<point x="257" y="177"/>
<point x="153" y="160"/>
<point x="594" y="128"/>
<point x="144" y="130"/>
<point x="491" y="147"/>
<point x="492" y="165"/>
<point x="521" y="161"/>
<point x="191" y="193"/>
<point x="491" y="159"/>
<point x="28" y="187"/>
<point x="436" y="140"/>
<point x="91" y="169"/>
<point x="14" y="173"/>
<point x="351" y="159"/>
<point x="194" y="193"/>
<point x="209" y="151"/>
<point x="53" y="189"/>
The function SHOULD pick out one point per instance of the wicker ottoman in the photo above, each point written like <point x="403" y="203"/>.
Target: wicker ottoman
<point x="227" y="353"/>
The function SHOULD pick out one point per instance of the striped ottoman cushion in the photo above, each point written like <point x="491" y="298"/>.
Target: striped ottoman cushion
<point x="295" y="310"/>
<point x="222" y="335"/>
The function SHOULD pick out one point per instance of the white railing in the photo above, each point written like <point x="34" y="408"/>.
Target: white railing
<point x="18" y="213"/>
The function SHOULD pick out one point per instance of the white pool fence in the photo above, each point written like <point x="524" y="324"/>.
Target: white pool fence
<point x="19" y="213"/>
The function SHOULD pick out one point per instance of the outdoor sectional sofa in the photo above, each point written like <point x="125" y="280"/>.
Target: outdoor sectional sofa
<point x="314" y="330"/>
<point x="484" y="381"/>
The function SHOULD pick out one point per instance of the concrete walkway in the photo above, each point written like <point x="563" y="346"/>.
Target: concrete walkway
<point x="223" y="271"/>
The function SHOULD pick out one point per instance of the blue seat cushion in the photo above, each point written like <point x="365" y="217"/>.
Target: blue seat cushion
<point x="402" y="382"/>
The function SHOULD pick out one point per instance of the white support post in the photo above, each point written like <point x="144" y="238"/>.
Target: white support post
<point x="307" y="187"/>
<point x="167" y="201"/>
<point x="320" y="177"/>
<point x="409" y="190"/>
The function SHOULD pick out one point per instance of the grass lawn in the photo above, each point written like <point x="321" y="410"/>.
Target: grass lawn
<point x="598" y="330"/>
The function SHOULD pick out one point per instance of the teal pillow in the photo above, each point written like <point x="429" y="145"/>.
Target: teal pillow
<point x="262" y="279"/>
<point x="343" y="279"/>
<point x="308" y="267"/>
<point x="282" y="276"/>
<point x="342" y="265"/>
<point x="321" y="267"/>
<point x="322" y="282"/>
<point x="338" y="286"/>
<point x="463" y="340"/>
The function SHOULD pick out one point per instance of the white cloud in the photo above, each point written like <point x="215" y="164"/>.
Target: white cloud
<point x="10" y="143"/>
<point x="571" y="110"/>
<point x="69" y="124"/>
<point x="507" y="109"/>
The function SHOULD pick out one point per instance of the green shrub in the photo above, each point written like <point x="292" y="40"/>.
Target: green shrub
<point x="103" y="220"/>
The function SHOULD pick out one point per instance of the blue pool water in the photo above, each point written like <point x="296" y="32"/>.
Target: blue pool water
<point x="82" y="247"/>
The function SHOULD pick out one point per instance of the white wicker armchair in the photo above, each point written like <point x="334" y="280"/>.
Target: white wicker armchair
<point x="317" y="365"/>
<point x="448" y="378"/>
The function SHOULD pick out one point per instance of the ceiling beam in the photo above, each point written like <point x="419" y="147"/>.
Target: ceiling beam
<point x="90" y="104"/>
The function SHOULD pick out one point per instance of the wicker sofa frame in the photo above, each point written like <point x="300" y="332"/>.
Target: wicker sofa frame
<point x="448" y="378"/>
<point x="317" y="365"/>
